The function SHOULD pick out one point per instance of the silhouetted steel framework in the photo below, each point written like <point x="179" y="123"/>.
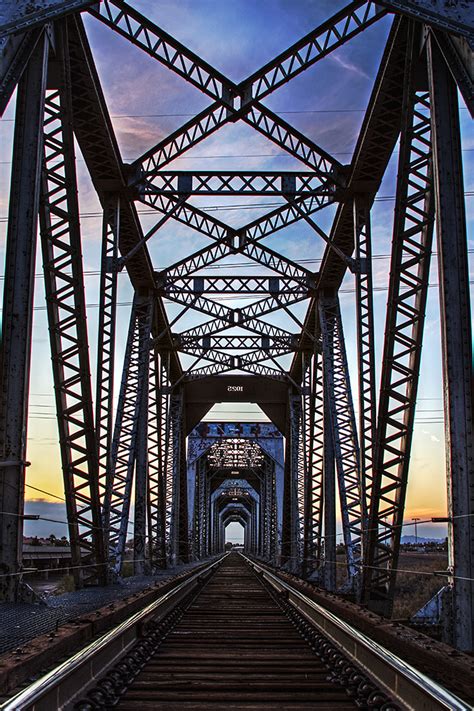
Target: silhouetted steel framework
<point x="140" y="448"/>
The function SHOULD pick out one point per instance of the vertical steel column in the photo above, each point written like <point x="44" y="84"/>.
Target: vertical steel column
<point x="274" y="517"/>
<point x="165" y="455"/>
<point x="175" y="416"/>
<point x="18" y="313"/>
<point x="124" y="444"/>
<point x="269" y="508"/>
<point x="344" y="433"/>
<point x="203" y="509"/>
<point x="155" y="486"/>
<point x="290" y="529"/>
<point x="106" y="337"/>
<point x="179" y="510"/>
<point x="303" y="460"/>
<point x="456" y="337"/>
<point x="314" y="438"/>
<point x="67" y="318"/>
<point x="145" y="317"/>
<point x="408" y="288"/>
<point x="365" y="342"/>
<point x="328" y="569"/>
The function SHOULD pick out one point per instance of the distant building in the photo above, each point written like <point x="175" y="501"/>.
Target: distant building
<point x="47" y="558"/>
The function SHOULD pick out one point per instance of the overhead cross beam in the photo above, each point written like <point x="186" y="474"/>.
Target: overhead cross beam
<point x="303" y="54"/>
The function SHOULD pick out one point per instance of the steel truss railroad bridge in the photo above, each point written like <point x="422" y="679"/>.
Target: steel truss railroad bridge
<point x="278" y="480"/>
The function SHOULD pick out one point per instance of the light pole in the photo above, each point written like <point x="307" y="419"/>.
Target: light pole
<point x="416" y="519"/>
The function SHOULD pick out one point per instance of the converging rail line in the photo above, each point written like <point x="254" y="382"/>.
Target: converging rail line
<point x="237" y="634"/>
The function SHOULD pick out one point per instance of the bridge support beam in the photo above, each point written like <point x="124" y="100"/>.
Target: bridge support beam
<point x="338" y="395"/>
<point x="290" y="539"/>
<point x="408" y="288"/>
<point x="18" y="314"/>
<point x="67" y="319"/>
<point x="456" y="337"/>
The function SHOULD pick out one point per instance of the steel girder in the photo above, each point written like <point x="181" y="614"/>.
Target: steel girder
<point x="179" y="533"/>
<point x="22" y="15"/>
<point x="224" y="247"/>
<point x="314" y="445"/>
<point x="311" y="48"/>
<point x="244" y="342"/>
<point x="66" y="308"/>
<point x="408" y="287"/>
<point x="156" y="471"/>
<point x="456" y="17"/>
<point x="328" y="562"/>
<point x="129" y="439"/>
<point x="365" y="342"/>
<point x="344" y="434"/>
<point x="15" y="54"/>
<point x="106" y="336"/>
<point x="456" y="339"/>
<point x="254" y="231"/>
<point x="268" y="513"/>
<point x="377" y="138"/>
<point x="108" y="174"/>
<point x="236" y="183"/>
<point x="17" y="315"/>
<point x="201" y="510"/>
<point x="290" y="536"/>
<point x="233" y="284"/>
<point x="170" y="510"/>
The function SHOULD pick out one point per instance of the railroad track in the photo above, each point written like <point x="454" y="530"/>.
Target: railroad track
<point x="234" y="636"/>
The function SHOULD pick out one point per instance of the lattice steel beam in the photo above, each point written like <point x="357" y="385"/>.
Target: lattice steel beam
<point x="377" y="138"/>
<point x="314" y="443"/>
<point x="365" y="343"/>
<point x="178" y="538"/>
<point x="17" y="314"/>
<point x="290" y="539"/>
<point x="332" y="34"/>
<point x="127" y="438"/>
<point x="408" y="288"/>
<point x="102" y="156"/>
<point x="106" y="337"/>
<point x="213" y="327"/>
<point x="234" y="244"/>
<point x="66" y="308"/>
<point x="456" y="340"/>
<point x="143" y="33"/>
<point x="155" y="482"/>
<point x="324" y="39"/>
<point x="253" y="356"/>
<point x="235" y="183"/>
<point x="344" y="433"/>
<point x="231" y="285"/>
<point x="238" y="342"/>
<point x="216" y="369"/>
<point x="225" y="317"/>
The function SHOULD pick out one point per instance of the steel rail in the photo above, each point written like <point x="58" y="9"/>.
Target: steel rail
<point x="400" y="680"/>
<point x="57" y="689"/>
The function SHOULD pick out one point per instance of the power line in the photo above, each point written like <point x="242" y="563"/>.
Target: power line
<point x="230" y="207"/>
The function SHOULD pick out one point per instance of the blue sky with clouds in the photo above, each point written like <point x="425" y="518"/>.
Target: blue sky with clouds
<point x="147" y="102"/>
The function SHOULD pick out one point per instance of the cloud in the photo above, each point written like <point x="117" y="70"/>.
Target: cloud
<point x="349" y="66"/>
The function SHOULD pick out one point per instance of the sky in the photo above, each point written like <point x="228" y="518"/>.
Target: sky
<point x="326" y="102"/>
